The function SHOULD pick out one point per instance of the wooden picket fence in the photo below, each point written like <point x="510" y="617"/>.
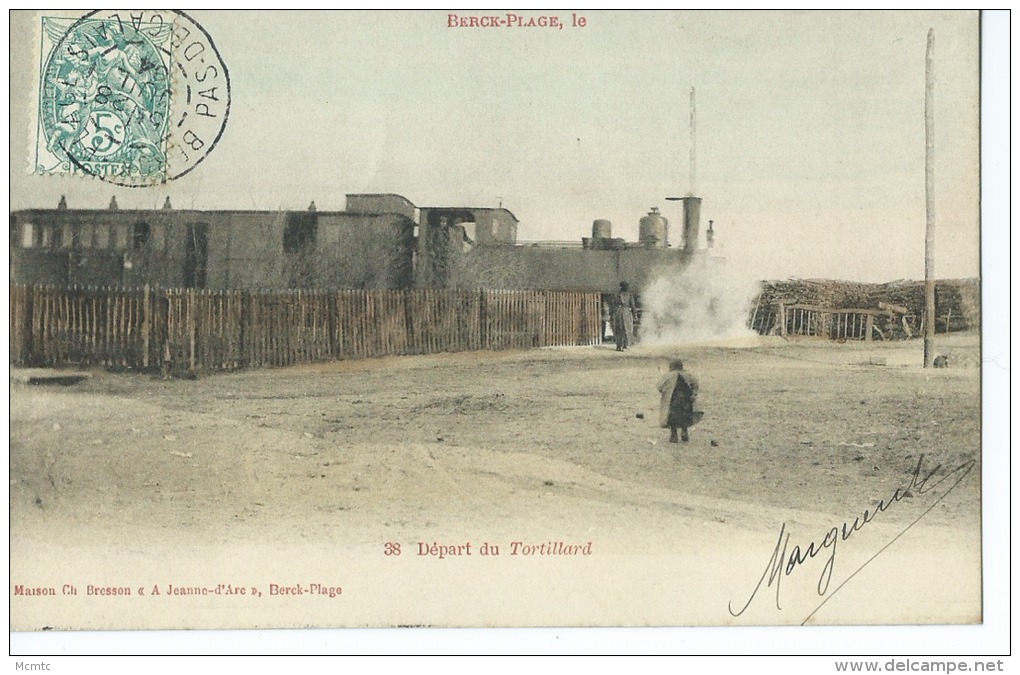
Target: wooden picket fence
<point x="837" y="324"/>
<point x="190" y="330"/>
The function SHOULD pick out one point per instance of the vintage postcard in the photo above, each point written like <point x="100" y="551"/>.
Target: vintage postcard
<point x="494" y="319"/>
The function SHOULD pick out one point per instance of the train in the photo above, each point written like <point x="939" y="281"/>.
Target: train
<point x="380" y="241"/>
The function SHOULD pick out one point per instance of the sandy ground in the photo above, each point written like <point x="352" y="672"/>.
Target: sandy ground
<point x="309" y="475"/>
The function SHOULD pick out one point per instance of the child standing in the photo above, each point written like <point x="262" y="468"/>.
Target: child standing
<point x="678" y="391"/>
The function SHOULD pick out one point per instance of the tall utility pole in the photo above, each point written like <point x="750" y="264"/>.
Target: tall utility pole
<point x="694" y="148"/>
<point x="692" y="204"/>
<point x="929" y="201"/>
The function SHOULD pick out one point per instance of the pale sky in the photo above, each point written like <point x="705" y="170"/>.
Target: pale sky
<point x="810" y="127"/>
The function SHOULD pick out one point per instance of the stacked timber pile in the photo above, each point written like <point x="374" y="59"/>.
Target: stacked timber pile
<point x="817" y="292"/>
<point x="957" y="301"/>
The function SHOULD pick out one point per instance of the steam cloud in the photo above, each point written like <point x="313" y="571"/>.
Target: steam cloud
<point x="707" y="300"/>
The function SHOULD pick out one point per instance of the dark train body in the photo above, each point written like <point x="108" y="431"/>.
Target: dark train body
<point x="382" y="241"/>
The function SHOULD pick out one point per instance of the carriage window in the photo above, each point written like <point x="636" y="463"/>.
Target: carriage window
<point x="66" y="236"/>
<point x="102" y="236"/>
<point x="470" y="235"/>
<point x="45" y="236"/>
<point x="157" y="237"/>
<point x="140" y="236"/>
<point x="300" y="232"/>
<point x="27" y="235"/>
<point x="120" y="237"/>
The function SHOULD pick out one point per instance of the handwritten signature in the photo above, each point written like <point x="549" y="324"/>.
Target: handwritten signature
<point x="782" y="564"/>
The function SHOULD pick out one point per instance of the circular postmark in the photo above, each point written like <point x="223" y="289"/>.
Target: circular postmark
<point x="136" y="98"/>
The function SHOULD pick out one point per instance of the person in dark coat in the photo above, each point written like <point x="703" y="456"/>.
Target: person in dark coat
<point x="623" y="309"/>
<point x="679" y="392"/>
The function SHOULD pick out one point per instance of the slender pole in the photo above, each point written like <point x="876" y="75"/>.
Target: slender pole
<point x="929" y="202"/>
<point x="694" y="147"/>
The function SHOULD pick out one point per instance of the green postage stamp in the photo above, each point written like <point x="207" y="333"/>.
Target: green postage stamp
<point x="136" y="98"/>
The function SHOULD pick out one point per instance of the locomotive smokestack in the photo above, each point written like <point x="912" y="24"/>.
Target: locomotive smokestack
<point x="692" y="223"/>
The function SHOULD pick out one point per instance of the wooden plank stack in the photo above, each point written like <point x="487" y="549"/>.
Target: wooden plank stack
<point x="957" y="302"/>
